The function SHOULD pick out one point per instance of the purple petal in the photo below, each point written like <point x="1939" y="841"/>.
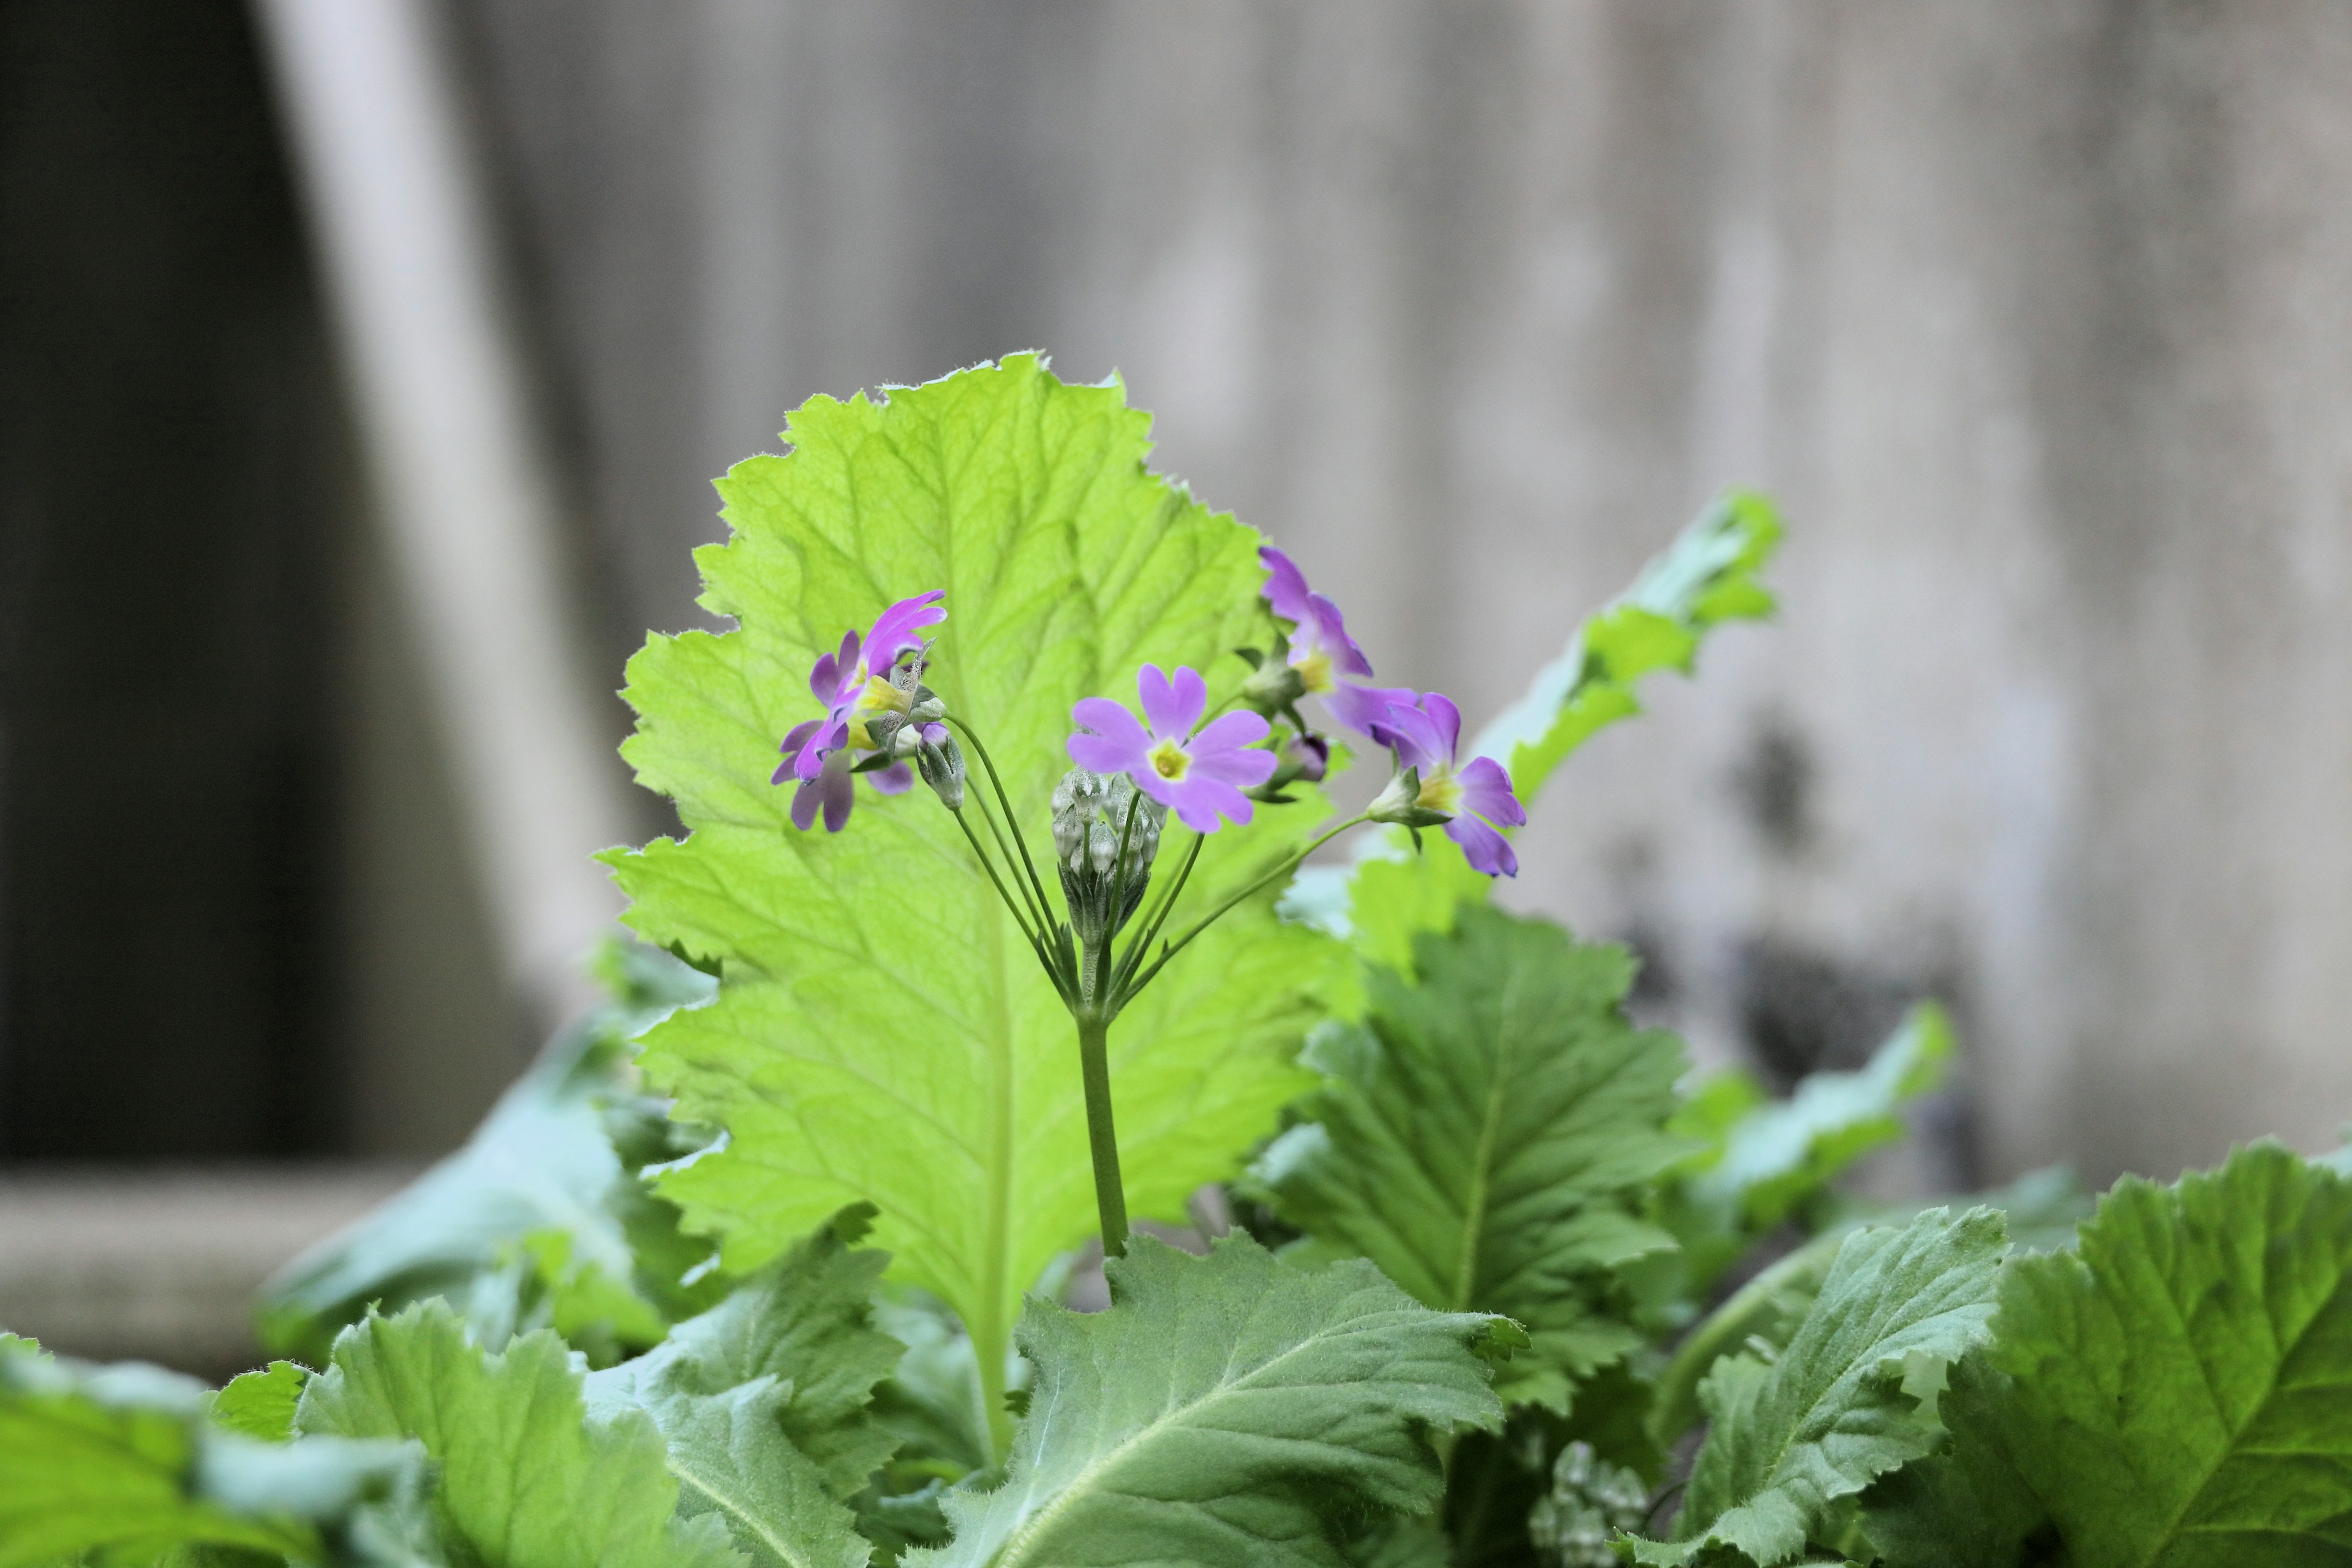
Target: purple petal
<point x="840" y="792"/>
<point x="895" y="779"/>
<point x="1486" y="849"/>
<point x="791" y="747"/>
<point x="822" y="686"/>
<point x="1362" y="706"/>
<point x="1248" y="769"/>
<point x="1171" y="707"/>
<point x="935" y="734"/>
<point x="1116" y="735"/>
<point x="894" y="630"/>
<point x="1286" y="587"/>
<point x="817" y="747"/>
<point x="1448" y="719"/>
<point x="1487" y="790"/>
<point x="1229" y="733"/>
<point x="1147" y="779"/>
<point x="1413" y="736"/>
<point x="1200" y="798"/>
<point x="805" y="803"/>
<point x="1331" y="636"/>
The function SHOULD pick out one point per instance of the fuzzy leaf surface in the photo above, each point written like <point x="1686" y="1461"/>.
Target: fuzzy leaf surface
<point x="2179" y="1388"/>
<point x="1233" y="1410"/>
<point x="883" y="1032"/>
<point x="526" y="1479"/>
<point x="1487" y="1136"/>
<point x="1831" y="1414"/>
<point x="763" y="1402"/>
<point x="120" y="1462"/>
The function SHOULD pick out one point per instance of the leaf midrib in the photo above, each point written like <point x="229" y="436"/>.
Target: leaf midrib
<point x="1036" y="1526"/>
<point x="2173" y="1528"/>
<point x="742" y="1514"/>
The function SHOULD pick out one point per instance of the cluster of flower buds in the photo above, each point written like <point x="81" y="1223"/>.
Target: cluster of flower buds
<point x="1591" y="1504"/>
<point x="1094" y="814"/>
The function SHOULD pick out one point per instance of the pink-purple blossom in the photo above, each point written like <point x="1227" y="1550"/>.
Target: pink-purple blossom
<point x="1320" y="648"/>
<point x="1475" y="797"/>
<point x="856" y="686"/>
<point x="1200" y="777"/>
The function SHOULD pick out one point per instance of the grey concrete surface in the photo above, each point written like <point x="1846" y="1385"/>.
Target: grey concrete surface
<point x="162" y="1265"/>
<point x="2034" y="314"/>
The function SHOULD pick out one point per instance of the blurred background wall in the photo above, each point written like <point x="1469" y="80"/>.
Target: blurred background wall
<point x="2033" y="316"/>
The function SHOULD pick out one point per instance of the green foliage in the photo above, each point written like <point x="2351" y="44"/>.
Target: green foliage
<point x="120" y="1464"/>
<point x="2040" y="1210"/>
<point x="526" y="1479"/>
<point x="2177" y="1391"/>
<point x="884" y="1034"/>
<point x="1487" y="1136"/>
<point x="1710" y="574"/>
<point x="1764" y="1158"/>
<point x="1228" y="1409"/>
<point x="537" y="1217"/>
<point x="763" y="1401"/>
<point x="1790" y="1436"/>
<point x="260" y="1405"/>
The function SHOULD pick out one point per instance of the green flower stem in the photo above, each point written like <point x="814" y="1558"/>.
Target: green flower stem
<point x="1037" y="943"/>
<point x="1283" y="869"/>
<point x="1011" y="821"/>
<point x="1102" y="1138"/>
<point x="1158" y="917"/>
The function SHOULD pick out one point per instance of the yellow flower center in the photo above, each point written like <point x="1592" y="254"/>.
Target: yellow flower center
<point x="1441" y="791"/>
<point x="1315" y="671"/>
<point x="878" y="696"/>
<point x="1170" y="760"/>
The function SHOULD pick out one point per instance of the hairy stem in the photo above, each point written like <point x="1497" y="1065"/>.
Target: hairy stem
<point x="1102" y="1138"/>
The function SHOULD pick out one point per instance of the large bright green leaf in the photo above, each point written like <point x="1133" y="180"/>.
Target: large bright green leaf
<point x="541" y="1171"/>
<point x="119" y="1462"/>
<point x="2179" y="1389"/>
<point x="883" y="1032"/>
<point x="1789" y="1438"/>
<point x="763" y="1401"/>
<point x="1487" y="1135"/>
<point x="1711" y="574"/>
<point x="526" y="1479"/>
<point x="1231" y="1409"/>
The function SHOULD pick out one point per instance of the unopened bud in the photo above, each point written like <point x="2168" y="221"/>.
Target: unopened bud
<point x="1400" y="803"/>
<point x="1591" y="1504"/>
<point x="941" y="761"/>
<point x="1093" y="815"/>
<point x="928" y="709"/>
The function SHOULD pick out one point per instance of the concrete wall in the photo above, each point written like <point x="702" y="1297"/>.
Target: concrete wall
<point x="2032" y="312"/>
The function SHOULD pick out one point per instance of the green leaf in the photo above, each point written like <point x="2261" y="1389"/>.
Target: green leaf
<point x="884" y="1034"/>
<point x="2181" y="1387"/>
<point x="2039" y="1211"/>
<point x="120" y="1462"/>
<point x="1965" y="1506"/>
<point x="763" y="1401"/>
<point x="1227" y="1409"/>
<point x="527" y="1480"/>
<point x="542" y="1163"/>
<point x="1831" y="1413"/>
<point x="1777" y="1153"/>
<point x="1487" y="1136"/>
<point x="1711" y="574"/>
<point x="260" y="1405"/>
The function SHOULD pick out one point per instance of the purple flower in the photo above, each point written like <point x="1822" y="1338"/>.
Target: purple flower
<point x="1476" y="799"/>
<point x="1197" y="776"/>
<point x="860" y="682"/>
<point x="1320" y="648"/>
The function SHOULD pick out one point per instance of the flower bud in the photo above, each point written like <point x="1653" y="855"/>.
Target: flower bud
<point x="1091" y="818"/>
<point x="1400" y="803"/>
<point x="1591" y="1503"/>
<point x="941" y="761"/>
<point x="1274" y="687"/>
